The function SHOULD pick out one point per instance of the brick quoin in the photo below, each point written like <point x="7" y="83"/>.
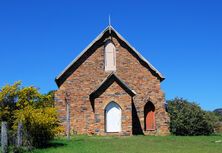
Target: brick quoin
<point x="87" y="73"/>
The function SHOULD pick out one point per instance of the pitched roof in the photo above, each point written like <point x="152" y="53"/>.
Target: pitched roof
<point x="89" y="50"/>
<point x="108" y="82"/>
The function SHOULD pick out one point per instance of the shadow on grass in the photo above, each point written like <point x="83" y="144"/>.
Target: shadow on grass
<point x="56" y="144"/>
<point x="53" y="145"/>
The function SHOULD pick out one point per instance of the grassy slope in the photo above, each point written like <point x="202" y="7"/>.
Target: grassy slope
<point x="137" y="144"/>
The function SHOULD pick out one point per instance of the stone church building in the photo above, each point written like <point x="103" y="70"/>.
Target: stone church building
<point x="111" y="89"/>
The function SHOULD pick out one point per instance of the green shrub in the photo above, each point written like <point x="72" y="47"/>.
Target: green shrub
<point x="218" y="127"/>
<point x="189" y="119"/>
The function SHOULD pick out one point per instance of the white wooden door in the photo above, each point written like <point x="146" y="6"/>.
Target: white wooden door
<point x="113" y="117"/>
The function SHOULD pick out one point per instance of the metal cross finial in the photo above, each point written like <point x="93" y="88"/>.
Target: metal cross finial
<point x="109" y="24"/>
<point x="109" y="20"/>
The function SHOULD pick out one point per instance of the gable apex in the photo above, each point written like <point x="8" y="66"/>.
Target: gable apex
<point x="109" y="30"/>
<point x="109" y="81"/>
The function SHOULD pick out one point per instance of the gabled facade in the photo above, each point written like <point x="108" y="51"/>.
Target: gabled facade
<point x="112" y="90"/>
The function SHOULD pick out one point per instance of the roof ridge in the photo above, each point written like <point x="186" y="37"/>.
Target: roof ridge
<point x="58" y="78"/>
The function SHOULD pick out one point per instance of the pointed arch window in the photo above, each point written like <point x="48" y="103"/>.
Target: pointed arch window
<point x="110" y="56"/>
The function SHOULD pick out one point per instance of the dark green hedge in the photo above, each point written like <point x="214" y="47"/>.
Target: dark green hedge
<point x="188" y="119"/>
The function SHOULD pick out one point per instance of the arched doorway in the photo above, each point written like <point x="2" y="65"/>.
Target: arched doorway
<point x="113" y="117"/>
<point x="149" y="117"/>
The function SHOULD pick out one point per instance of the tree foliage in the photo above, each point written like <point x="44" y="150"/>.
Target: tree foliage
<point x="189" y="119"/>
<point x="218" y="126"/>
<point x="8" y="100"/>
<point x="33" y="109"/>
<point x="40" y="124"/>
<point x="218" y="112"/>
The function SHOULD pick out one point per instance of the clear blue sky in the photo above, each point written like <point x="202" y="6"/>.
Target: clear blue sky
<point x="182" y="39"/>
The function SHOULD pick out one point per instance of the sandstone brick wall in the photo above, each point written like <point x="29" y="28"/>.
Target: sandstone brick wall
<point x="117" y="94"/>
<point x="80" y="84"/>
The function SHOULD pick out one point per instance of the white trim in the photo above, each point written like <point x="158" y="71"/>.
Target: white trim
<point x="99" y="37"/>
<point x="140" y="56"/>
<point x="90" y="45"/>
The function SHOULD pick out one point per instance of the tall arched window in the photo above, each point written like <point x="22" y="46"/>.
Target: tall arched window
<point x="149" y="117"/>
<point x="113" y="117"/>
<point x="110" y="56"/>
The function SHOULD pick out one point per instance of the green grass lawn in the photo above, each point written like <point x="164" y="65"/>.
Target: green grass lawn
<point x="135" y="144"/>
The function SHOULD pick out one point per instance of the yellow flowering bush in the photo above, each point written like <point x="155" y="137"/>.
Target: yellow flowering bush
<point x="8" y="99"/>
<point x="34" y="110"/>
<point x="40" y="124"/>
